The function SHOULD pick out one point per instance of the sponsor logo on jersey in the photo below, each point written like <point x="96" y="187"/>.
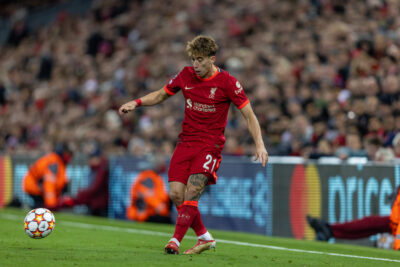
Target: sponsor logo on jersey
<point x="199" y="106"/>
<point x="188" y="88"/>
<point x="240" y="88"/>
<point x="203" y="107"/>
<point x="212" y="92"/>
<point x="189" y="103"/>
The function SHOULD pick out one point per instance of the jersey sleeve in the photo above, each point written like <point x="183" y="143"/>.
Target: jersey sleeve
<point x="236" y="93"/>
<point x="175" y="84"/>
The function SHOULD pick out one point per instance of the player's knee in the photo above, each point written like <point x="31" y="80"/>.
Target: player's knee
<point x="176" y="197"/>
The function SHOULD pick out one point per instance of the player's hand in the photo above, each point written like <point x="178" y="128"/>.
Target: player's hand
<point x="125" y="108"/>
<point x="261" y="155"/>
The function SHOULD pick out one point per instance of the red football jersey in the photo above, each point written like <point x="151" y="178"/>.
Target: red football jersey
<point x="207" y="104"/>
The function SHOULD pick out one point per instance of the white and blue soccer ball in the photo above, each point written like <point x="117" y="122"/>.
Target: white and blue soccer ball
<point x="39" y="223"/>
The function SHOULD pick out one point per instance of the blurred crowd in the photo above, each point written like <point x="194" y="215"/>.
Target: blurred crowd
<point x="16" y="9"/>
<point x="322" y="76"/>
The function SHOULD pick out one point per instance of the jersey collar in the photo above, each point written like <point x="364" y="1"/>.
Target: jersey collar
<point x="209" y="78"/>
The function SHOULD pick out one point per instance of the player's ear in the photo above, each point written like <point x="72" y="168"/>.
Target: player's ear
<point x="212" y="59"/>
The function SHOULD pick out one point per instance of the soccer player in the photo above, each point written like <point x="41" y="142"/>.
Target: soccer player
<point x="208" y="92"/>
<point x="361" y="228"/>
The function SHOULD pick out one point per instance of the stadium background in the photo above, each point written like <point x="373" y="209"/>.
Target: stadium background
<point x="315" y="71"/>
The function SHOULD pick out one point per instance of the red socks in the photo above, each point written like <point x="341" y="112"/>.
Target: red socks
<point x="197" y="224"/>
<point x="185" y="218"/>
<point x="188" y="216"/>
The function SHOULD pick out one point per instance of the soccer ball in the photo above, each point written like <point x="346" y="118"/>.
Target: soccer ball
<point x="39" y="223"/>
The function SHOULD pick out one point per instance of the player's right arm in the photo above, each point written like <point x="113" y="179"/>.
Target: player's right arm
<point x="148" y="100"/>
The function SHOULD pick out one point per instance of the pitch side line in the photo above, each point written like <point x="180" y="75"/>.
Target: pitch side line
<point x="147" y="232"/>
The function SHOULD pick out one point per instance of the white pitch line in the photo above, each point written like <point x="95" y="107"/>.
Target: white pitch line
<point x="147" y="232"/>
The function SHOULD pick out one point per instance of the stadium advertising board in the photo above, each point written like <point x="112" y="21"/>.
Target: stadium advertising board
<point x="77" y="172"/>
<point x="242" y="198"/>
<point x="240" y="201"/>
<point x="5" y="181"/>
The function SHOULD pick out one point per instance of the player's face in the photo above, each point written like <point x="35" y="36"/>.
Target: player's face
<point x="203" y="66"/>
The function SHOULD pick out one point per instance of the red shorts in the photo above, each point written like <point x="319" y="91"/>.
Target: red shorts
<point x="192" y="158"/>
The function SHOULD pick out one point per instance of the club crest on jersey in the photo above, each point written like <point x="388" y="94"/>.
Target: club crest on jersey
<point x="212" y="92"/>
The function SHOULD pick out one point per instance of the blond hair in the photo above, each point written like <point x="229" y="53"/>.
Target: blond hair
<point x="202" y="46"/>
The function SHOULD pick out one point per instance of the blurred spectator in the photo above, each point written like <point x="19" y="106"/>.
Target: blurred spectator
<point x="384" y="154"/>
<point x="18" y="32"/>
<point x="46" y="179"/>
<point x="46" y="65"/>
<point x="323" y="149"/>
<point x="3" y="96"/>
<point x="396" y="146"/>
<point x="376" y="152"/>
<point x="95" y="196"/>
<point x="353" y="147"/>
<point x="372" y="145"/>
<point x="149" y="199"/>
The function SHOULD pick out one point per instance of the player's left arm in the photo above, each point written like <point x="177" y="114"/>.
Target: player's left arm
<point x="261" y="153"/>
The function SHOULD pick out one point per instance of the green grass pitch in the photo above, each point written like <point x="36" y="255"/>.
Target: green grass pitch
<point x="89" y="241"/>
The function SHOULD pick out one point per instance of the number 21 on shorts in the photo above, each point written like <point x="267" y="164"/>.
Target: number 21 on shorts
<point x="210" y="161"/>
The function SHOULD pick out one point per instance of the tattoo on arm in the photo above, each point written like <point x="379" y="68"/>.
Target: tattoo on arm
<point x="199" y="181"/>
